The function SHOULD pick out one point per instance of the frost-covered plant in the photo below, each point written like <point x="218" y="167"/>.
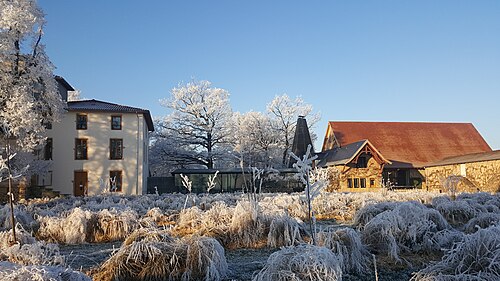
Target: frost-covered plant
<point x="346" y="243"/>
<point x="406" y="228"/>
<point x="211" y="181"/>
<point x="28" y="251"/>
<point x="450" y="184"/>
<point x="188" y="184"/>
<point x="153" y="255"/>
<point x="14" y="272"/>
<point x="284" y="231"/>
<point x="312" y="190"/>
<point x="476" y="257"/>
<point x="457" y="212"/>
<point x="303" y="262"/>
<point x="482" y="220"/>
<point x="367" y="213"/>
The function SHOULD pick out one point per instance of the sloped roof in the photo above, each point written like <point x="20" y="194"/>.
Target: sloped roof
<point x="408" y="144"/>
<point x="345" y="154"/>
<point x="102" y="106"/>
<point x="468" y="158"/>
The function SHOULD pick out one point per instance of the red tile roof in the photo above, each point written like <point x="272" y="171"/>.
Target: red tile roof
<point x="415" y="143"/>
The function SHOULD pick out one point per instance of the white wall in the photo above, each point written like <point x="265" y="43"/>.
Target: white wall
<point x="98" y="134"/>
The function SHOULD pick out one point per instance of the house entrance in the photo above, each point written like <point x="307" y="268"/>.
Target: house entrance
<point x="80" y="183"/>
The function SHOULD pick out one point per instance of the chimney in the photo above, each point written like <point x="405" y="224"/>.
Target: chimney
<point x="301" y="140"/>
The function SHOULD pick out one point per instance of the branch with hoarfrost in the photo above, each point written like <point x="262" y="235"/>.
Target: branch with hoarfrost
<point x="211" y="181"/>
<point x="188" y="184"/>
<point x="312" y="190"/>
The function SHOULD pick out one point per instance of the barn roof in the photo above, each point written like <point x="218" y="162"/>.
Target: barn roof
<point x="468" y="158"/>
<point x="411" y="144"/>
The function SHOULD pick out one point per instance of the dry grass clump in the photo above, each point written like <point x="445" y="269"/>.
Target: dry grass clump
<point x="150" y="254"/>
<point x="302" y="262"/>
<point x="242" y="226"/>
<point x="14" y="272"/>
<point x="367" y="213"/>
<point x="346" y="243"/>
<point x="28" y="251"/>
<point x="113" y="226"/>
<point x="476" y="257"/>
<point x="80" y="226"/>
<point x="408" y="228"/>
<point x="284" y="231"/>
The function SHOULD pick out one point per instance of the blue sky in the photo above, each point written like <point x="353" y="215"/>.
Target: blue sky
<point x="352" y="60"/>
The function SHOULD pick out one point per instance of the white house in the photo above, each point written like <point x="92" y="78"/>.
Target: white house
<point x="98" y="146"/>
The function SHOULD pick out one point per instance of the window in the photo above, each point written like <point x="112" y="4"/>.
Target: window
<point x="47" y="152"/>
<point x="349" y="183"/>
<point x="362" y="183"/>
<point x="81" y="122"/>
<point x="115" y="181"/>
<point x="362" y="162"/>
<point x="116" y="149"/>
<point x="372" y="182"/>
<point x="116" y="122"/>
<point x="356" y="183"/>
<point x="80" y="149"/>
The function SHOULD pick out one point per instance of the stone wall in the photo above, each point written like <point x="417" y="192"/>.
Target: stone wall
<point x="480" y="176"/>
<point x="339" y="180"/>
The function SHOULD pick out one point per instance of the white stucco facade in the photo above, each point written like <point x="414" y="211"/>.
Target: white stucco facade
<point x="133" y="166"/>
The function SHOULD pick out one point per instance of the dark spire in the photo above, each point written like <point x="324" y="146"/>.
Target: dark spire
<point x="301" y="140"/>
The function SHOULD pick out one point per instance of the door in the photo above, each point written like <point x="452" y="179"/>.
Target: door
<point x="80" y="184"/>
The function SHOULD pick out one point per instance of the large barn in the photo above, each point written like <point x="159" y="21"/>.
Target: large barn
<point x="371" y="154"/>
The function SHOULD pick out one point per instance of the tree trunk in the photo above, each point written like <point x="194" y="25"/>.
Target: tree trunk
<point x="11" y="196"/>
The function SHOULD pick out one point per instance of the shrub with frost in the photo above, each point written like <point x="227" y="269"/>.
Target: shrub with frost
<point x="476" y="257"/>
<point x="303" y="262"/>
<point x="483" y="220"/>
<point x="284" y="231"/>
<point x="28" y="251"/>
<point x="14" y="272"/>
<point x="71" y="229"/>
<point x="151" y="254"/>
<point x="367" y="213"/>
<point x="456" y="212"/>
<point x="408" y="228"/>
<point x="346" y="243"/>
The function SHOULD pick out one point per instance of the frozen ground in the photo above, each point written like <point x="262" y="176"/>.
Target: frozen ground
<point x="419" y="235"/>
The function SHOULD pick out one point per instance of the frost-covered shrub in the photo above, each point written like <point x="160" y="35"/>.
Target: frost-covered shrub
<point x="113" y="226"/>
<point x="367" y="213"/>
<point x="456" y="212"/>
<point x="72" y="229"/>
<point x="248" y="227"/>
<point x="14" y="272"/>
<point x="409" y="227"/>
<point x="346" y="244"/>
<point x="27" y="250"/>
<point x="443" y="239"/>
<point x="302" y="262"/>
<point x="80" y="226"/>
<point x="483" y="220"/>
<point x="284" y="231"/>
<point x="476" y="257"/>
<point x="151" y="254"/>
<point x="23" y="217"/>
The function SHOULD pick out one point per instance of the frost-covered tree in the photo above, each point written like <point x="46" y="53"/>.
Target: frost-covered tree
<point x="199" y="124"/>
<point x="284" y="112"/>
<point x="29" y="99"/>
<point x="28" y="91"/>
<point x="255" y="141"/>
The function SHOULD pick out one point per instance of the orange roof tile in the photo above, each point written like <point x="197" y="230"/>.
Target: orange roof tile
<point x="415" y="143"/>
